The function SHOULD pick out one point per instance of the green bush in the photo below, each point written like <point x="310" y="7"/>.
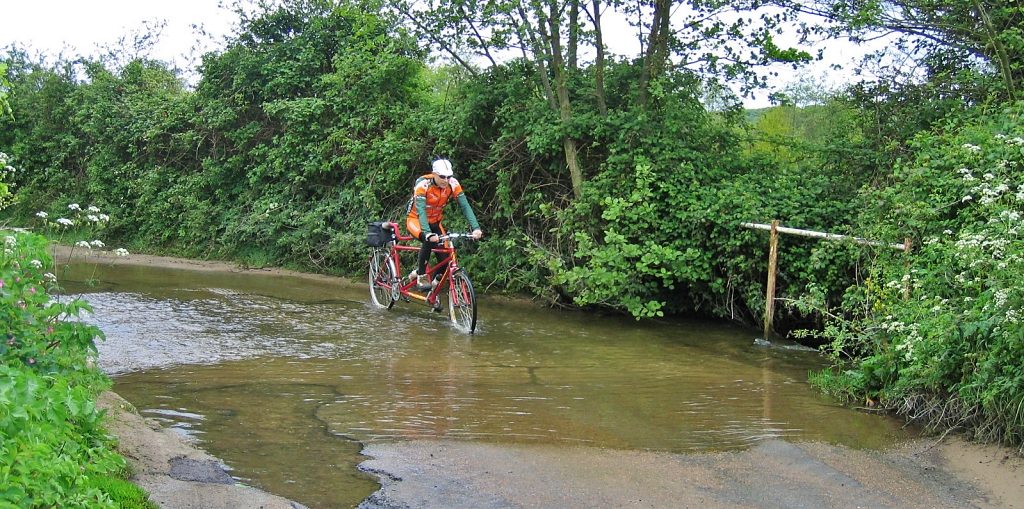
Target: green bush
<point x="41" y="335"/>
<point x="940" y="335"/>
<point x="52" y="443"/>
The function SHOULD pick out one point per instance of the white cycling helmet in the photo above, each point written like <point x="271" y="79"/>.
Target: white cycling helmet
<point x="442" y="167"/>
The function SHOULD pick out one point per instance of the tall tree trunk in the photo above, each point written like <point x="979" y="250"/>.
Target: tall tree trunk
<point x="595" y="17"/>
<point x="540" y="55"/>
<point x="657" y="47"/>
<point x="571" y="151"/>
<point x="574" y="33"/>
<point x="999" y="49"/>
<point x="553" y="36"/>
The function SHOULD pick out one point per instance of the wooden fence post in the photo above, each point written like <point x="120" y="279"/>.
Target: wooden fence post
<point x="773" y="265"/>
<point x="773" y="258"/>
<point x="906" y="269"/>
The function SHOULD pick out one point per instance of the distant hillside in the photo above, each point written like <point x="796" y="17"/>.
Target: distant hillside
<point x="753" y="115"/>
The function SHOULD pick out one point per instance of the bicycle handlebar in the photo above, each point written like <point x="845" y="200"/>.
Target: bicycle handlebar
<point x="457" y="235"/>
<point x="452" y="235"/>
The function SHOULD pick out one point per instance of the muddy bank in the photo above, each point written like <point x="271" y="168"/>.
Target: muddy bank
<point x="774" y="474"/>
<point x="63" y="254"/>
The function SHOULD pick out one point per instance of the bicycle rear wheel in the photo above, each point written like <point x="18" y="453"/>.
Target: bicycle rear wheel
<point x="462" y="302"/>
<point x="382" y="276"/>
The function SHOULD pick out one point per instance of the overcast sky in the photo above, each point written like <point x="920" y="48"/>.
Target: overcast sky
<point x="50" y="26"/>
<point x="81" y="26"/>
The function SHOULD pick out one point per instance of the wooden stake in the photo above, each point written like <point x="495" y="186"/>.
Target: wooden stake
<point x="906" y="270"/>
<point x="773" y="264"/>
<point x="773" y="258"/>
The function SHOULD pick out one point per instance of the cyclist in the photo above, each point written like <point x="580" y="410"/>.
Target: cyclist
<point x="426" y="210"/>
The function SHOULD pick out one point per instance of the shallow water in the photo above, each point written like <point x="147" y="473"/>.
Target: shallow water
<point x="284" y="378"/>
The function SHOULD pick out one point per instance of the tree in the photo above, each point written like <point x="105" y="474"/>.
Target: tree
<point x="544" y="32"/>
<point x="551" y="34"/>
<point x="956" y="32"/>
<point x="307" y="123"/>
<point x="5" y="108"/>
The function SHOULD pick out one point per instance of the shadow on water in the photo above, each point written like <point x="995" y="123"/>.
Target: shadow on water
<point x="284" y="378"/>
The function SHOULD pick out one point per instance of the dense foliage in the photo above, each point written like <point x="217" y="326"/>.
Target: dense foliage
<point x="53" y="449"/>
<point x="615" y="183"/>
<point x="940" y="337"/>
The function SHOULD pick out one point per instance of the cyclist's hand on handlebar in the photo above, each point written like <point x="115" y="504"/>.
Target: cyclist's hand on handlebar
<point x="477" y="234"/>
<point x="433" y="237"/>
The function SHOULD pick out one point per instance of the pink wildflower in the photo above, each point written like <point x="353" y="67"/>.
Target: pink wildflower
<point x="32" y="289"/>
<point x="31" y="361"/>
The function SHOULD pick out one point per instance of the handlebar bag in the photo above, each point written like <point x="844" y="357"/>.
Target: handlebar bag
<point x="377" y="235"/>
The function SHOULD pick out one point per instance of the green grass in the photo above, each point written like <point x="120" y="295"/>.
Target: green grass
<point x="125" y="494"/>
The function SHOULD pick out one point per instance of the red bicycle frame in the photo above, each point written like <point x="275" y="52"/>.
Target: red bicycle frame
<point x="448" y="264"/>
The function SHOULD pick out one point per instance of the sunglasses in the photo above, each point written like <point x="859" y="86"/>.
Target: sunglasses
<point x="445" y="177"/>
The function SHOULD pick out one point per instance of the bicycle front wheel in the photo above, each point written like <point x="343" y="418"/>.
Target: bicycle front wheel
<point x="382" y="276"/>
<point x="462" y="302"/>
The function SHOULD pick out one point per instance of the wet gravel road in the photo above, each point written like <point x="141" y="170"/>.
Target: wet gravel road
<point x="773" y="475"/>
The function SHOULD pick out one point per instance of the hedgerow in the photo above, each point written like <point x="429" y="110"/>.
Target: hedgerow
<point x="941" y="336"/>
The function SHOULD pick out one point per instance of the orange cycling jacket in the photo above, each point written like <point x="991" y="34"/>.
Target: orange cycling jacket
<point x="428" y="201"/>
<point x="427" y="205"/>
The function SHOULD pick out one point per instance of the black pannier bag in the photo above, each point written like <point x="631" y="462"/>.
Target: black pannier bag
<point x="379" y="233"/>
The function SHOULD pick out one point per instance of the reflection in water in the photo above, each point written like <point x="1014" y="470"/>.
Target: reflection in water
<point x="283" y="378"/>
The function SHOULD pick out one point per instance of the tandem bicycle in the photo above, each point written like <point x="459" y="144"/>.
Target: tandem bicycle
<point x="387" y="285"/>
